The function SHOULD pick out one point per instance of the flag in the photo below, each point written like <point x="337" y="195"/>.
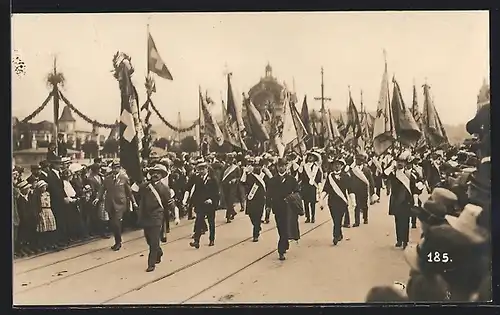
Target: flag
<point x="232" y="128"/>
<point x="299" y="144"/>
<point x="257" y="129"/>
<point x="131" y="132"/>
<point x="334" y="127"/>
<point x="155" y="63"/>
<point x="306" y="120"/>
<point x="208" y="125"/>
<point x="383" y="126"/>
<point x="407" y="130"/>
<point x="289" y="133"/>
<point x="353" y="125"/>
<point x="434" y="130"/>
<point x="418" y="119"/>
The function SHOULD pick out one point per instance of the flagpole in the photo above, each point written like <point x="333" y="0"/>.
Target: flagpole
<point x="199" y="120"/>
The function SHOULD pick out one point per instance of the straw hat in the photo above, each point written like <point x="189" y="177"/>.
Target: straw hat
<point x="158" y="168"/>
<point x="444" y="196"/>
<point x="466" y="223"/>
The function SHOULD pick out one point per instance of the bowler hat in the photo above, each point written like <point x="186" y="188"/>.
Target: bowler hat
<point x="281" y="162"/>
<point x="35" y="167"/>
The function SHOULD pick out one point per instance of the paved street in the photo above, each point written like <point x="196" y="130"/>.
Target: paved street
<point x="235" y="270"/>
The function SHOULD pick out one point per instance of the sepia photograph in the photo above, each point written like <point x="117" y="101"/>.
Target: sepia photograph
<point x="251" y="158"/>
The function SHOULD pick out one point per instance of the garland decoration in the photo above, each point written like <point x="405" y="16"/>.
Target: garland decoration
<point x="38" y="110"/>
<point x="84" y="117"/>
<point x="169" y="125"/>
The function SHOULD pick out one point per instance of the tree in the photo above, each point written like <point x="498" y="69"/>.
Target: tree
<point x="110" y="146"/>
<point x="162" y="143"/>
<point x="189" y="144"/>
<point x="78" y="144"/>
<point x="91" y="149"/>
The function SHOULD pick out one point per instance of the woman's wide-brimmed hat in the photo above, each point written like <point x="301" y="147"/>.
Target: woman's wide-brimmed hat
<point x="466" y="223"/>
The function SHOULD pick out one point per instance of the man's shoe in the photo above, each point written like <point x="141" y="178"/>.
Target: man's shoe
<point x="308" y="221"/>
<point x="398" y="244"/>
<point x="355" y="225"/>
<point x="405" y="244"/>
<point x="282" y="257"/>
<point x="212" y="243"/>
<point x="255" y="239"/>
<point x="195" y="245"/>
<point x="164" y="239"/>
<point x="313" y="220"/>
<point x="150" y="268"/>
<point x="116" y="247"/>
<point x="365" y="222"/>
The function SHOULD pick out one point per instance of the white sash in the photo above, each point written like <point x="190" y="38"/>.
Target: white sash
<point x="228" y="171"/>
<point x="336" y="188"/>
<point x="359" y="174"/>
<point x="157" y="196"/>
<point x="311" y="173"/>
<point x="401" y="176"/>
<point x="68" y="189"/>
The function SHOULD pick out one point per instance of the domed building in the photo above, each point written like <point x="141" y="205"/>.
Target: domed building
<point x="267" y="94"/>
<point x="483" y="98"/>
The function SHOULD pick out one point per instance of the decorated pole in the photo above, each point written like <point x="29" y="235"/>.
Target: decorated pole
<point x="54" y="79"/>
<point x="323" y="111"/>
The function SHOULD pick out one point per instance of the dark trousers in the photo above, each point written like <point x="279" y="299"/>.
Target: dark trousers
<point x="200" y="223"/>
<point x="255" y="218"/>
<point x="357" y="213"/>
<point x="310" y="209"/>
<point x="337" y="213"/>
<point x="377" y="189"/>
<point x="413" y="220"/>
<point x="62" y="221"/>
<point x="152" y="235"/>
<point x="165" y="226"/>
<point x="268" y="214"/>
<point x="388" y="187"/>
<point x="402" y="228"/>
<point x="116" y="228"/>
<point x="242" y="197"/>
<point x="347" y="217"/>
<point x="282" y="226"/>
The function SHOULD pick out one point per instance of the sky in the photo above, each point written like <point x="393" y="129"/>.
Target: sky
<point x="449" y="50"/>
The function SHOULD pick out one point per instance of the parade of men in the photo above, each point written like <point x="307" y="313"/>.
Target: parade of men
<point x="148" y="171"/>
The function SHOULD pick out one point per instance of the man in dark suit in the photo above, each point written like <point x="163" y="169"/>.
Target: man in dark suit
<point x="62" y="149"/>
<point x="310" y="176"/>
<point x="404" y="196"/>
<point x="230" y="180"/>
<point x="55" y="188"/>
<point x="256" y="183"/>
<point x="338" y="189"/>
<point x="204" y="198"/>
<point x="94" y="179"/>
<point x="118" y="195"/>
<point x="155" y="206"/>
<point x="280" y="187"/>
<point x="362" y="187"/>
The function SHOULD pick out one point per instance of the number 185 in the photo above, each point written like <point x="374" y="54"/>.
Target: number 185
<point x="437" y="257"/>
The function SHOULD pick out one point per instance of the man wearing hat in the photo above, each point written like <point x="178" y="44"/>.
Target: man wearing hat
<point x="35" y="174"/>
<point x="118" y="196"/>
<point x="310" y="176"/>
<point x="95" y="180"/>
<point x="362" y="187"/>
<point x="55" y="187"/>
<point x="432" y="170"/>
<point x="51" y="151"/>
<point x="281" y="186"/>
<point x="255" y="182"/>
<point x="338" y="189"/>
<point x="404" y="196"/>
<point x="155" y="206"/>
<point x="204" y="198"/>
<point x="230" y="180"/>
